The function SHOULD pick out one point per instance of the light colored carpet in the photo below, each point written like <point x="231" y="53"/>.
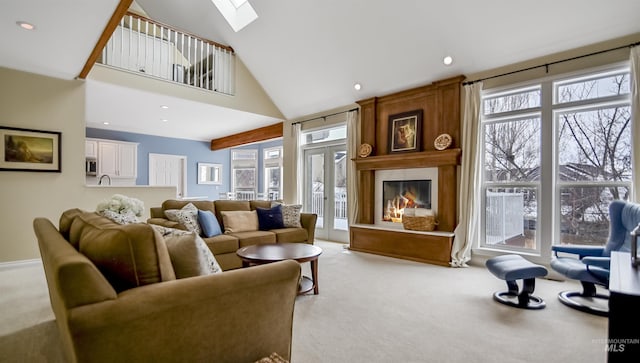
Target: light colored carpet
<point x="370" y="309"/>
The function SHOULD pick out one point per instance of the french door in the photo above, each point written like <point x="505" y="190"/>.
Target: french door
<point x="325" y="192"/>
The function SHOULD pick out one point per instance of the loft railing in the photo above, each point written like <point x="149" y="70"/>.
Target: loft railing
<point x="142" y="45"/>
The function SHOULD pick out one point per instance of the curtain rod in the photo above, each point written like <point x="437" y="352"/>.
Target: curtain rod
<point x="546" y="65"/>
<point x="323" y="117"/>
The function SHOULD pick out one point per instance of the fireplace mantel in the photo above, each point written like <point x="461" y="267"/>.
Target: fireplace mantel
<point x="424" y="159"/>
<point x="440" y="105"/>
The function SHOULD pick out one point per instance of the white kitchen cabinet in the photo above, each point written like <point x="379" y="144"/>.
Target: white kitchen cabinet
<point x="91" y="149"/>
<point x="117" y="159"/>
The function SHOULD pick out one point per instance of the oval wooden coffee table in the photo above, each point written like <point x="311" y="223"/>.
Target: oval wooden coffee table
<point x="301" y="252"/>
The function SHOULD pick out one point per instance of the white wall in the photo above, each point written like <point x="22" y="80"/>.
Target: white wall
<point x="37" y="102"/>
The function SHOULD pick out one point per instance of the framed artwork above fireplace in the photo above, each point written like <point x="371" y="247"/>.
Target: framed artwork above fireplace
<point x="405" y="131"/>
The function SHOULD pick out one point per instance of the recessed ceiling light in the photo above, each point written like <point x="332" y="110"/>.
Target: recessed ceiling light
<point x="164" y="107"/>
<point x="25" y="25"/>
<point x="105" y="123"/>
<point x="447" y="60"/>
<point x="357" y="86"/>
<point x="164" y="120"/>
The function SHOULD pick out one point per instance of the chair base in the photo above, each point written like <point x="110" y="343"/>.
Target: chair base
<point x="567" y="298"/>
<point x="523" y="299"/>
<point x="515" y="300"/>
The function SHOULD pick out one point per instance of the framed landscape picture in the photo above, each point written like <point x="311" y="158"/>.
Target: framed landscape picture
<point x="29" y="150"/>
<point x="404" y="131"/>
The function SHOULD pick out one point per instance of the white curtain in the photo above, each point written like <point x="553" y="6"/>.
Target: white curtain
<point x="298" y="160"/>
<point x="635" y="118"/>
<point x="467" y="230"/>
<point x="352" y="173"/>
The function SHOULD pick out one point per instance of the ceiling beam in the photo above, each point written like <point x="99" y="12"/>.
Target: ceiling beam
<point x="247" y="137"/>
<point x="121" y="9"/>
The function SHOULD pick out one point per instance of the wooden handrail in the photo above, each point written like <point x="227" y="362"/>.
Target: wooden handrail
<point x="104" y="38"/>
<point x="134" y="15"/>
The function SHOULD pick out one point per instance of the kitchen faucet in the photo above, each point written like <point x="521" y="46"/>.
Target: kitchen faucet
<point x="102" y="176"/>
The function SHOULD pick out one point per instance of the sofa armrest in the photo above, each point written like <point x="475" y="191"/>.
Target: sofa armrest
<point x="602" y="262"/>
<point x="308" y="222"/>
<point x="234" y="316"/>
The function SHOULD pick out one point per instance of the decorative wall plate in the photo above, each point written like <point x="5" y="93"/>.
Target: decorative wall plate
<point x="442" y="142"/>
<point x="365" y="150"/>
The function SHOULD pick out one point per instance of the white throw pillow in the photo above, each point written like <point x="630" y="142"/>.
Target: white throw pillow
<point x="188" y="252"/>
<point x="187" y="216"/>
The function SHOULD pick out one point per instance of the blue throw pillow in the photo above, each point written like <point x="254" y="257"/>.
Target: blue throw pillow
<point x="208" y="223"/>
<point x="270" y="218"/>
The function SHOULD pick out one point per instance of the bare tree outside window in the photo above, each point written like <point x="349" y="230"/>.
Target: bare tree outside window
<point x="594" y="145"/>
<point x="592" y="157"/>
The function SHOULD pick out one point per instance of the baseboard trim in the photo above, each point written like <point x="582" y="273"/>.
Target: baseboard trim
<point x="18" y="264"/>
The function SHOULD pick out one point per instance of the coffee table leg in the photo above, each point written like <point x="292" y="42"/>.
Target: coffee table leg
<point x="245" y="264"/>
<point x="314" y="275"/>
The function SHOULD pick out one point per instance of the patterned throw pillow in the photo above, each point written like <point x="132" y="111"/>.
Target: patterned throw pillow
<point x="187" y="216"/>
<point x="290" y="214"/>
<point x="188" y="252"/>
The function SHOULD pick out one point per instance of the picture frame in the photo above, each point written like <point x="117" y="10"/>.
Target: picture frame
<point x="405" y="130"/>
<point x="30" y="150"/>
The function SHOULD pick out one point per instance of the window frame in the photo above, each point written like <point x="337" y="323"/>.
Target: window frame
<point x="270" y="163"/>
<point x="244" y="164"/>
<point x="549" y="184"/>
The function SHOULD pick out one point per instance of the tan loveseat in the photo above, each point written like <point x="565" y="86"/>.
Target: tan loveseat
<point x="116" y="299"/>
<point x="224" y="246"/>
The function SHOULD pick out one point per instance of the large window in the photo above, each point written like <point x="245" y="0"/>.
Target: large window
<point x="556" y="153"/>
<point x="272" y="162"/>
<point x="244" y="166"/>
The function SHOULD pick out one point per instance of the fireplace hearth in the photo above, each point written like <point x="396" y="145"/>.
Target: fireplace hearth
<point x="400" y="194"/>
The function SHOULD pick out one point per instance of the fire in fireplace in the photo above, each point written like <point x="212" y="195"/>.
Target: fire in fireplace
<point x="400" y="194"/>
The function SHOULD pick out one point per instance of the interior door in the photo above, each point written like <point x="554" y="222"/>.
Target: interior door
<point x="326" y="191"/>
<point x="169" y="170"/>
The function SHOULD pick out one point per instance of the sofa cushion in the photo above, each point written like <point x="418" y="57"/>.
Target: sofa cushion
<point x="66" y="219"/>
<point x="224" y="243"/>
<point x="291" y="235"/>
<point x="77" y="229"/>
<point x="255" y="238"/>
<point x="208" y="223"/>
<point x="239" y="221"/>
<point x="128" y="255"/>
<point x="189" y="254"/>
<point x="255" y="204"/>
<point x="270" y="218"/>
<point x="187" y="216"/>
<point x="166" y="223"/>
<point x="229" y="205"/>
<point x="179" y="204"/>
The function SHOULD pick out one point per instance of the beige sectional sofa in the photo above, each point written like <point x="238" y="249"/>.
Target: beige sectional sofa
<point x="115" y="296"/>
<point x="224" y="246"/>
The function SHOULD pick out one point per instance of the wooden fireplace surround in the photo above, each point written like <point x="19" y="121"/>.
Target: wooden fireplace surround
<point x="440" y="104"/>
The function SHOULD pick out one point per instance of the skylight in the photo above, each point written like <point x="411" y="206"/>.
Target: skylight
<point x="238" y="13"/>
<point x="238" y="3"/>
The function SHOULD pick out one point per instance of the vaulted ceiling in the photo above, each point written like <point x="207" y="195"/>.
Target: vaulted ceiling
<point x="307" y="54"/>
